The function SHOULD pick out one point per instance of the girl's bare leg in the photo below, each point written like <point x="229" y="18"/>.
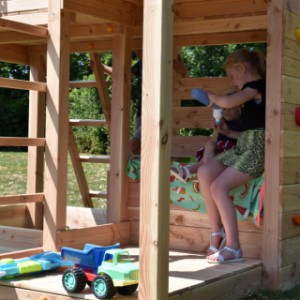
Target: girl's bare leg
<point x="207" y="173"/>
<point x="220" y="189"/>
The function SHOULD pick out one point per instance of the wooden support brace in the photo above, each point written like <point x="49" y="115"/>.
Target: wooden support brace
<point x="24" y="28"/>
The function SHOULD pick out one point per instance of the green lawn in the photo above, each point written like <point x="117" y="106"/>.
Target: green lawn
<point x="13" y="178"/>
<point x="13" y="173"/>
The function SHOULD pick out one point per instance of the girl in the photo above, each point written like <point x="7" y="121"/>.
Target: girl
<point x="236" y="166"/>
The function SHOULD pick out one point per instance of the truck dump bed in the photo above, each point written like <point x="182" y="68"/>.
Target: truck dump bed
<point x="90" y="258"/>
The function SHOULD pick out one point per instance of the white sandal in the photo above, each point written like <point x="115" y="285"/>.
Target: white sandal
<point x="222" y="244"/>
<point x="178" y="174"/>
<point x="237" y="256"/>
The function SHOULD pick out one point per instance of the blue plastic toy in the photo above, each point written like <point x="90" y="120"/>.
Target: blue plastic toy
<point x="44" y="261"/>
<point x="200" y="96"/>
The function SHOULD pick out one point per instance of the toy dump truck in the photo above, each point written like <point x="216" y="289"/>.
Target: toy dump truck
<point x="43" y="261"/>
<point x="106" y="269"/>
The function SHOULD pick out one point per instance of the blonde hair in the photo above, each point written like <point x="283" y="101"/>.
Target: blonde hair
<point x="254" y="59"/>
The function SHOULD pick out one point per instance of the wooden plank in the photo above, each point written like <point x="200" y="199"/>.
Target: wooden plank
<point x="82" y="84"/>
<point x="57" y="124"/>
<point x="79" y="172"/>
<point x="221" y="25"/>
<point x="14" y="54"/>
<point x="120" y="127"/>
<point x="10" y="37"/>
<point x="155" y="148"/>
<point x="272" y="200"/>
<point x="24" y="28"/>
<point x="81" y="122"/>
<point x="289" y="229"/>
<point x="36" y="129"/>
<point x="102" y="87"/>
<point x="192" y="117"/>
<point x="234" y="287"/>
<point x="21" y="5"/>
<point x="187" y="146"/>
<point x="289" y="251"/>
<point x="291" y="67"/>
<point x="21" y="253"/>
<point x="94" y="30"/>
<point x="208" y="9"/>
<point x="253" y="36"/>
<point x="290" y="197"/>
<point x="22" y="142"/>
<point x="83" y="217"/>
<point x="33" y="17"/>
<point x="288" y="117"/>
<point x="290" y="143"/>
<point x="26" y="198"/>
<point x="289" y="276"/>
<point x="118" y="11"/>
<point x="182" y="88"/>
<point x="98" y="194"/>
<point x="290" y="170"/>
<point x="292" y="21"/>
<point x="14" y="215"/>
<point x="291" y="89"/>
<point x="99" y="159"/>
<point x="23" y="84"/>
<point x="20" y="238"/>
<point x="100" y="235"/>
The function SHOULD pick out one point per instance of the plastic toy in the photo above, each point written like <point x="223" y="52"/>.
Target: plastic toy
<point x="201" y="96"/>
<point x="106" y="269"/>
<point x="44" y="261"/>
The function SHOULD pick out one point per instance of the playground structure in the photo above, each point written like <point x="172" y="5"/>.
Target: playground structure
<point x="42" y="34"/>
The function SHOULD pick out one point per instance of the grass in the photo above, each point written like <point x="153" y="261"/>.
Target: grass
<point x="13" y="177"/>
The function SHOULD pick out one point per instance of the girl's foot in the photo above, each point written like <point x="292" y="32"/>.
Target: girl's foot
<point x="217" y="241"/>
<point x="226" y="255"/>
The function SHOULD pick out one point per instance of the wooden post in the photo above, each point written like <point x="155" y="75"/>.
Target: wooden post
<point x="36" y="129"/>
<point x="273" y="144"/>
<point x="156" y="144"/>
<point x="119" y="130"/>
<point x="57" y="123"/>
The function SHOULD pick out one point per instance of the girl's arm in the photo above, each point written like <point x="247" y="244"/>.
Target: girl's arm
<point x="236" y="99"/>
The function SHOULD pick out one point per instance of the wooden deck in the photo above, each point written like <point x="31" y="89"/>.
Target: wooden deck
<point x="188" y="273"/>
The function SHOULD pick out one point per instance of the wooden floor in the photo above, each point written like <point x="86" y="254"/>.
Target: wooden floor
<point x="188" y="272"/>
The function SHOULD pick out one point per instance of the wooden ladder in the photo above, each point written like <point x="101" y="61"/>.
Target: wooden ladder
<point x="78" y="159"/>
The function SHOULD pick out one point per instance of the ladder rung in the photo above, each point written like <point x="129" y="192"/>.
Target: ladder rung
<point x="96" y="194"/>
<point x="102" y="159"/>
<point x="82" y="122"/>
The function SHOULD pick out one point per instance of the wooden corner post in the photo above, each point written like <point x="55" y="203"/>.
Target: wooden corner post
<point x="57" y="122"/>
<point x="156" y="145"/>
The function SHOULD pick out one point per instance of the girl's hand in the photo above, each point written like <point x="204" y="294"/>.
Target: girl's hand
<point x="223" y="128"/>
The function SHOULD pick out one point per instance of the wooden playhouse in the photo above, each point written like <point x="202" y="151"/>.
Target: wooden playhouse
<point x="41" y="34"/>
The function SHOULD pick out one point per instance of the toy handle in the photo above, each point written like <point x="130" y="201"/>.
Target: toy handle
<point x="200" y="96"/>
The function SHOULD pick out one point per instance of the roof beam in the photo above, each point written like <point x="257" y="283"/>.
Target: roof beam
<point x="14" y="54"/>
<point x="121" y="12"/>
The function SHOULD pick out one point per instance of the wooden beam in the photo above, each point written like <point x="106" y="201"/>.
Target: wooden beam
<point x="10" y="37"/>
<point x="121" y="12"/>
<point x="81" y="122"/>
<point x="102" y="87"/>
<point x="23" y="84"/>
<point x="273" y="145"/>
<point x="22" y="142"/>
<point x="26" y="198"/>
<point x="24" y="28"/>
<point x="82" y="84"/>
<point x="253" y="36"/>
<point x="156" y="148"/>
<point x="21" y="5"/>
<point x="215" y="8"/>
<point x="221" y="25"/>
<point x="120" y="127"/>
<point x="79" y="172"/>
<point x="57" y="124"/>
<point x="22" y="253"/>
<point x="14" y="54"/>
<point x="36" y="129"/>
